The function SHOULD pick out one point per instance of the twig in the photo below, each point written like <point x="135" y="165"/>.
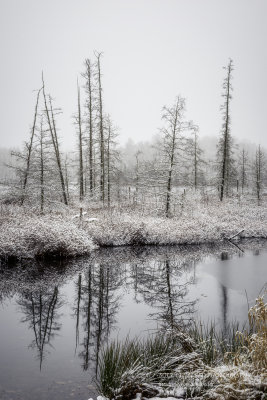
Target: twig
<point x="236" y="235"/>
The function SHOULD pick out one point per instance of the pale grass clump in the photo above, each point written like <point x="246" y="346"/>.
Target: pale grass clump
<point x="180" y="361"/>
<point x="244" y="375"/>
<point x="257" y="343"/>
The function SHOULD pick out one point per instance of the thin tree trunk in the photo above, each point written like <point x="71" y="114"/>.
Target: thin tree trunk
<point x="258" y="173"/>
<point x="226" y="135"/>
<point x="30" y="147"/>
<point x="81" y="183"/>
<point x="243" y="170"/>
<point x="108" y="165"/>
<point x="67" y="179"/>
<point x="101" y="133"/>
<point x="169" y="182"/>
<point x="41" y="169"/>
<point x="90" y="112"/>
<point x="52" y="129"/>
<point x="195" y="162"/>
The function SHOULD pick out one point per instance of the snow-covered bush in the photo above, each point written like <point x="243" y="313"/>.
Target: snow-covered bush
<point x="31" y="236"/>
<point x="63" y="232"/>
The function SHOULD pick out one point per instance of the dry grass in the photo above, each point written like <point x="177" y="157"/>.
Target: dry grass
<point x="162" y="364"/>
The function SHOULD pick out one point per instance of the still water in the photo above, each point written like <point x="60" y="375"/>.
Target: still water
<point x="56" y="317"/>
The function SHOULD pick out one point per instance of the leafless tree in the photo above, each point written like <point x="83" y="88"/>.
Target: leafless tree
<point x="101" y="129"/>
<point x="88" y="76"/>
<point x="29" y="147"/>
<point x="80" y="134"/>
<point x="258" y="171"/>
<point x="52" y="128"/>
<point x="225" y="143"/>
<point x="173" y="142"/>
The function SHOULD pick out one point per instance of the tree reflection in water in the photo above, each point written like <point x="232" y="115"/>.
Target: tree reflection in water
<point x="97" y="303"/>
<point x="160" y="285"/>
<point x="159" y="277"/>
<point x="41" y="312"/>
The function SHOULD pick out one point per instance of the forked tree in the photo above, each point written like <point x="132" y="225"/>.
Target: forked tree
<point x="29" y="148"/>
<point x="49" y="111"/>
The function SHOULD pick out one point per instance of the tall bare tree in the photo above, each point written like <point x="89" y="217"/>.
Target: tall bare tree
<point x="195" y="157"/>
<point x="173" y="142"/>
<point x="258" y="171"/>
<point x="88" y="76"/>
<point x="243" y="160"/>
<point x="101" y="129"/>
<point x="225" y="143"/>
<point x="29" y="147"/>
<point x="80" y="133"/>
<point x="52" y="128"/>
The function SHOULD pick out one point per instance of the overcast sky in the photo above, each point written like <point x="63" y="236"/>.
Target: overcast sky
<point x="153" y="50"/>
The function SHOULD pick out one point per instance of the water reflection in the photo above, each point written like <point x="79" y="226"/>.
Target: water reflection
<point x="224" y="308"/>
<point x="80" y="304"/>
<point x="97" y="303"/>
<point x="41" y="313"/>
<point x="160" y="285"/>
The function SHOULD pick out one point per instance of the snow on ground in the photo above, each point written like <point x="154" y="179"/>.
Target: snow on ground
<point x="25" y="234"/>
<point x="138" y="396"/>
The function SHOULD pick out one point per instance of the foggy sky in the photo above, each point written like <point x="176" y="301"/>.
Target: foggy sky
<point x="153" y="50"/>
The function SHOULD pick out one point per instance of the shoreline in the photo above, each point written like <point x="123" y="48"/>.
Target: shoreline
<point x="25" y="235"/>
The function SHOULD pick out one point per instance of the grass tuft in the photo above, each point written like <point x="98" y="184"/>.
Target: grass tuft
<point x="204" y="363"/>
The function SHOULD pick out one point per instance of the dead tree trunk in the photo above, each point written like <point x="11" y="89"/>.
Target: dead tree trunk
<point x="88" y="77"/>
<point x="258" y="172"/>
<point x="101" y="132"/>
<point x="226" y="132"/>
<point x="79" y="120"/>
<point x="30" y="148"/>
<point x="108" y="164"/>
<point x="53" y="133"/>
<point x="41" y="168"/>
<point x="171" y="165"/>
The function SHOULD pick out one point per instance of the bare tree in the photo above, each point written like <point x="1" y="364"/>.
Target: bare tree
<point x="41" y="167"/>
<point x="53" y="132"/>
<point x="111" y="154"/>
<point x="101" y="129"/>
<point x="225" y="143"/>
<point x="29" y="147"/>
<point x="79" y="123"/>
<point x="195" y="155"/>
<point x="137" y="174"/>
<point x="258" y="168"/>
<point x="243" y="168"/>
<point x="88" y="75"/>
<point x="172" y="142"/>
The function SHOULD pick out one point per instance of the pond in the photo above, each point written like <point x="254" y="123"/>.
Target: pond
<point x="55" y="317"/>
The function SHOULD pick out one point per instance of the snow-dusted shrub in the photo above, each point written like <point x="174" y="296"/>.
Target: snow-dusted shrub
<point x="64" y="233"/>
<point x="201" y="225"/>
<point x="29" y="236"/>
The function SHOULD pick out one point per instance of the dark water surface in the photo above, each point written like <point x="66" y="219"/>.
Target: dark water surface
<point x="56" y="317"/>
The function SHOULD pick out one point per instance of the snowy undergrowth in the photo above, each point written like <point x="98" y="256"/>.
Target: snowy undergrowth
<point x="197" y="223"/>
<point x="174" y="365"/>
<point x="23" y="234"/>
